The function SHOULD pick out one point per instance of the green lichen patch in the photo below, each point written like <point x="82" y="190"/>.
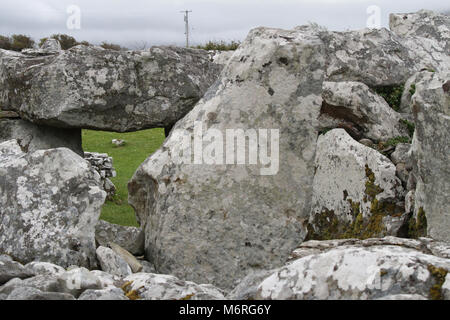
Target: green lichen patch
<point x="438" y="275"/>
<point x="417" y="227"/>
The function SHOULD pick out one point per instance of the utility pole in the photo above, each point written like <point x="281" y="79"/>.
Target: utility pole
<point x="186" y="20"/>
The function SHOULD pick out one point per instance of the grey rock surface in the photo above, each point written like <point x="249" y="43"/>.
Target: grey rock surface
<point x="112" y="263"/>
<point x="29" y="293"/>
<point x="128" y="257"/>
<point x="431" y="153"/>
<point x="13" y="269"/>
<point x="44" y="268"/>
<point x="129" y="238"/>
<point x="32" y="137"/>
<point x="424" y="23"/>
<point x="90" y="87"/>
<point x="50" y="201"/>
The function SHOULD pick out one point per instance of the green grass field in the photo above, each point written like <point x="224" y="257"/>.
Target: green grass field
<point x="127" y="158"/>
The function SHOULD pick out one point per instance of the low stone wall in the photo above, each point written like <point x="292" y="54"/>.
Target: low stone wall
<point x="103" y="164"/>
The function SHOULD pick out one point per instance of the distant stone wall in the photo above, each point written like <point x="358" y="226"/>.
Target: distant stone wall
<point x="103" y="164"/>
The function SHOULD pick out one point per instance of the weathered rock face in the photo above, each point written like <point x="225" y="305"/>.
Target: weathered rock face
<point x="11" y="269"/>
<point x="112" y="263"/>
<point x="376" y="57"/>
<point x="147" y="286"/>
<point x="353" y="106"/>
<point x="431" y="151"/>
<point x="351" y="269"/>
<point x="89" y="87"/>
<point x="356" y="193"/>
<point x="212" y="222"/>
<point x="129" y="238"/>
<point x="50" y="201"/>
<point x="32" y="137"/>
<point x="424" y="23"/>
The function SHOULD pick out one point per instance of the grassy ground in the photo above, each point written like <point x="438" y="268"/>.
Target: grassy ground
<point x="139" y="145"/>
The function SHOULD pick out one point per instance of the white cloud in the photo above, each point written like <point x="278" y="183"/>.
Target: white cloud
<point x="160" y="21"/>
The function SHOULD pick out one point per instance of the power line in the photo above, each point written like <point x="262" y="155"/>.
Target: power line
<point x="186" y="20"/>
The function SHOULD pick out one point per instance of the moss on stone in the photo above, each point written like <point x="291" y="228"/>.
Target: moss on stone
<point x="438" y="275"/>
<point x="372" y="189"/>
<point x="417" y="227"/>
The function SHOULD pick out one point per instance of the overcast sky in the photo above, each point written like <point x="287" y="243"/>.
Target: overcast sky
<point x="131" y="22"/>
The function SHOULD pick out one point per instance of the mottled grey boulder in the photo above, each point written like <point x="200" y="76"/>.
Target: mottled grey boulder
<point x="212" y="223"/>
<point x="112" y="263"/>
<point x="424" y="23"/>
<point x="375" y="57"/>
<point x="29" y="293"/>
<point x="50" y="201"/>
<point x="90" y="87"/>
<point x="356" y="193"/>
<point x="128" y="257"/>
<point x="32" y="137"/>
<point x="129" y="238"/>
<point x="364" y="114"/>
<point x="104" y="294"/>
<point x="379" y="57"/>
<point x="44" y="268"/>
<point x="13" y="269"/>
<point x="431" y="153"/>
<point x="362" y="271"/>
<point x="148" y="286"/>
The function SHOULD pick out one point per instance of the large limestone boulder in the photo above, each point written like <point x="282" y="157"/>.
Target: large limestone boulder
<point x="363" y="113"/>
<point x="424" y="23"/>
<point x="365" y="270"/>
<point x="211" y="222"/>
<point x="431" y="151"/>
<point x="32" y="137"/>
<point x="356" y="193"/>
<point x="50" y="201"/>
<point x="90" y="87"/>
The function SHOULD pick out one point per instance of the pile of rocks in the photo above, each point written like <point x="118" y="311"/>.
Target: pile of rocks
<point x="103" y="164"/>
<point x="328" y="219"/>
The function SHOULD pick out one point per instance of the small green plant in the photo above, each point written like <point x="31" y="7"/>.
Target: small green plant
<point x="412" y="89"/>
<point x="219" y="46"/>
<point x="395" y="141"/>
<point x="392" y="95"/>
<point x="409" y="125"/>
